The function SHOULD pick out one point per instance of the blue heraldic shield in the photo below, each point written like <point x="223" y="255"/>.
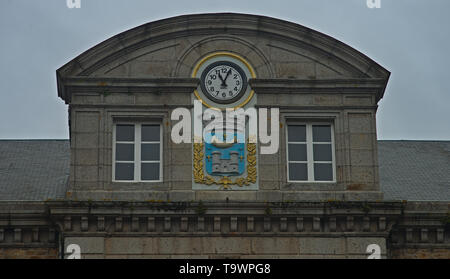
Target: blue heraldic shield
<point x="222" y="158"/>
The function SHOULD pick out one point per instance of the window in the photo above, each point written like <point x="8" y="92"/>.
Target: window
<point x="310" y="152"/>
<point x="137" y="152"/>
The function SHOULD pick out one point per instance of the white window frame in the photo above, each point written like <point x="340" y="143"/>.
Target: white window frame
<point x="137" y="152"/>
<point x="309" y="151"/>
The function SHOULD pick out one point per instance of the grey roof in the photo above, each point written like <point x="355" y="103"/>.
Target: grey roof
<point x="33" y="169"/>
<point x="414" y="170"/>
<point x="409" y="170"/>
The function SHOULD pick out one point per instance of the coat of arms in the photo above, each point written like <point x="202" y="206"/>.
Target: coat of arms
<point x="222" y="158"/>
<point x="226" y="163"/>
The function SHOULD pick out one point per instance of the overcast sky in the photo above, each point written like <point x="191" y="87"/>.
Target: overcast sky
<point x="410" y="38"/>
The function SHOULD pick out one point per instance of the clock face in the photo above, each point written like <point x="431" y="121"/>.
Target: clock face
<point x="223" y="82"/>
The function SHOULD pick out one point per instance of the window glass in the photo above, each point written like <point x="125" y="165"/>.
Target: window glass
<point x="150" y="132"/>
<point x="322" y="152"/>
<point x="124" y="152"/>
<point x="298" y="171"/>
<point x="296" y="133"/>
<point x="150" y="171"/>
<point x="321" y="133"/>
<point x="146" y="165"/>
<point x="310" y="152"/>
<point x="150" y="152"/>
<point x="125" y="133"/>
<point x="124" y="171"/>
<point x="297" y="152"/>
<point x="323" y="172"/>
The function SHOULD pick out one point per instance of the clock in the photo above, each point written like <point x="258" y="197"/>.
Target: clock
<point x="223" y="82"/>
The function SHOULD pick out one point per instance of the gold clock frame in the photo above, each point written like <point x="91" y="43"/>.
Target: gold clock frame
<point x="223" y="53"/>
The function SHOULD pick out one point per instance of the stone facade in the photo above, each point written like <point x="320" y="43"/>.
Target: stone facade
<point x="224" y="230"/>
<point x="145" y="73"/>
<point x="305" y="74"/>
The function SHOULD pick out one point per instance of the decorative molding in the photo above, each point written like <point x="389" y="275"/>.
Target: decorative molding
<point x="250" y="224"/>
<point x="84" y="223"/>
<point x="135" y="224"/>
<point x="300" y="226"/>
<point x="288" y="33"/>
<point x="167" y="224"/>
<point x="316" y="224"/>
<point x="151" y="224"/>
<point x="283" y="224"/>
<point x="216" y="224"/>
<point x="233" y="224"/>
<point x="71" y="84"/>
<point x="201" y="224"/>
<point x="332" y="224"/>
<point x="118" y="224"/>
<point x="184" y="224"/>
<point x="100" y="223"/>
<point x="402" y="225"/>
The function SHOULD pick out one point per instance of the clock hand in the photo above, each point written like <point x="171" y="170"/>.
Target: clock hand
<point x="220" y="76"/>
<point x="225" y="79"/>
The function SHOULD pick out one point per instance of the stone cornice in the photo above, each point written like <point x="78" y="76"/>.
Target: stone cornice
<point x="188" y="85"/>
<point x="222" y="23"/>
<point x="234" y="218"/>
<point x="69" y="85"/>
<point x="296" y="86"/>
<point x="25" y="224"/>
<point x="38" y="224"/>
<point x="174" y="27"/>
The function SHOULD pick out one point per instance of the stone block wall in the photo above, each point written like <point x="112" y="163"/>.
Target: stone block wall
<point x="238" y="247"/>
<point x="146" y="72"/>
<point x="421" y="253"/>
<point x="29" y="253"/>
<point x="92" y="143"/>
<point x="223" y="230"/>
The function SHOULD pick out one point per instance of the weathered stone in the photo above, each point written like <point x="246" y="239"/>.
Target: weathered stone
<point x="223" y="196"/>
<point x="85" y="140"/>
<point x="361" y="141"/>
<point x="177" y="196"/>
<point x="360" y="122"/>
<point x="269" y="196"/>
<point x="295" y="70"/>
<point x="275" y="245"/>
<point x="361" y="157"/>
<point x="226" y="245"/>
<point x="88" y="245"/>
<point x="421" y="253"/>
<point x="87" y="122"/>
<point x="327" y="100"/>
<point x="128" y="245"/>
<point x="358" y="245"/>
<point x="318" y="246"/>
<point x="170" y="245"/>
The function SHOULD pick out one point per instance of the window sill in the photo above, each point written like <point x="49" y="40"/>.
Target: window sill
<point x="312" y="186"/>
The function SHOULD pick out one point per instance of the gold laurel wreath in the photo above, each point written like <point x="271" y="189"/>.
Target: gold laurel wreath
<point x="225" y="181"/>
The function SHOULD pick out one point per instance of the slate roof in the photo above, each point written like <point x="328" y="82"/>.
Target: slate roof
<point x="409" y="170"/>
<point x="34" y="169"/>
<point x="414" y="170"/>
